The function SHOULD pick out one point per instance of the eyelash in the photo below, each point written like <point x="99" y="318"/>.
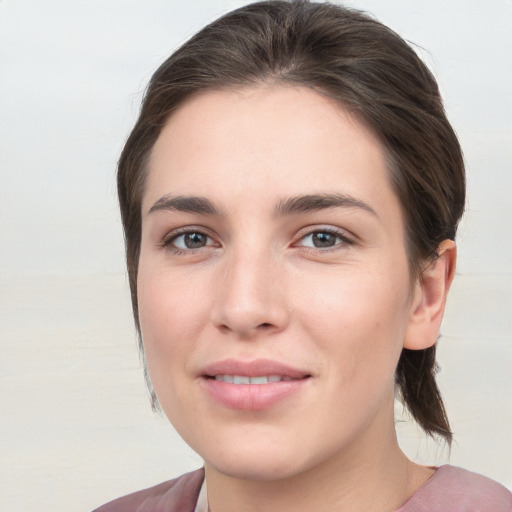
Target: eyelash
<point x="168" y="240"/>
<point x="344" y="240"/>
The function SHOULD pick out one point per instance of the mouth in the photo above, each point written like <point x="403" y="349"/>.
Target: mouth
<point x="257" y="371"/>
<point x="253" y="386"/>
<point x="244" y="379"/>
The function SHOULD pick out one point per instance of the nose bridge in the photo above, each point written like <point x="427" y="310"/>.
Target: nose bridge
<point x="249" y="299"/>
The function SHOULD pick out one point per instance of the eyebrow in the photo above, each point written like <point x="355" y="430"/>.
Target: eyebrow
<point x="187" y="204"/>
<point x="285" y="207"/>
<point x="316" y="202"/>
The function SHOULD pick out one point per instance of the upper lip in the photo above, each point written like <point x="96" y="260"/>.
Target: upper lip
<point x="254" y="368"/>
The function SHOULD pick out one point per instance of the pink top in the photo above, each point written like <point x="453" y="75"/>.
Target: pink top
<point x="450" y="489"/>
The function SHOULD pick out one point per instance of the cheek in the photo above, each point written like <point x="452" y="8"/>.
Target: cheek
<point x="170" y="319"/>
<point x="359" y="319"/>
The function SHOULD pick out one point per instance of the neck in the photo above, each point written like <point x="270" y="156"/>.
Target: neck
<point x="372" y="475"/>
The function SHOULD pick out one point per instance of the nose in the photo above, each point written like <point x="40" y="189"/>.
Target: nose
<point x="251" y="298"/>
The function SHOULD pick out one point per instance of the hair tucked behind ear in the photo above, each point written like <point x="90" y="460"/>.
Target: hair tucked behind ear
<point x="366" y="67"/>
<point x="416" y="378"/>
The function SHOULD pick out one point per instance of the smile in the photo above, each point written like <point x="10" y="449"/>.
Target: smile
<point x="243" y="379"/>
<point x="256" y="385"/>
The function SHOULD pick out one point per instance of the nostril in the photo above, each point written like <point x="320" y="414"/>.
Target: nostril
<point x="266" y="324"/>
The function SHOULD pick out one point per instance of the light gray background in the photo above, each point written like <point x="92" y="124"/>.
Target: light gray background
<point x="76" y="428"/>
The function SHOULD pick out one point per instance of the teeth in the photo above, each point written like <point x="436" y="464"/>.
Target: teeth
<point x="259" y="380"/>
<point x="242" y="379"/>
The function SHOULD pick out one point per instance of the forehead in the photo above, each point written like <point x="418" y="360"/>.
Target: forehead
<point x="270" y="140"/>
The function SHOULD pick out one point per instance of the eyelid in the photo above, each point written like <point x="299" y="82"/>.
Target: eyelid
<point x="166" y="241"/>
<point x="346" y="239"/>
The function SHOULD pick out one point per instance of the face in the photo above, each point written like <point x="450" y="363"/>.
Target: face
<point x="273" y="286"/>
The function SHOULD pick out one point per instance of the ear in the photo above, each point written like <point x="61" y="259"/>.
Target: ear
<point x="429" y="299"/>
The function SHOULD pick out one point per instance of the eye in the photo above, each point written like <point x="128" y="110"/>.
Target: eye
<point x="323" y="239"/>
<point x="188" y="241"/>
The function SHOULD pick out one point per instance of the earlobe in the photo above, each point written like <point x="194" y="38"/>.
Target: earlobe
<point x="430" y="298"/>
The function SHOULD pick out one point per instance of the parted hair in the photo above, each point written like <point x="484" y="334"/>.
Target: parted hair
<point x="349" y="56"/>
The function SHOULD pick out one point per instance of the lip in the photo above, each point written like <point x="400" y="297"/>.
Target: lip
<point x="252" y="397"/>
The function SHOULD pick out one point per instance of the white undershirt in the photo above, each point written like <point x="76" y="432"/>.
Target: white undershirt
<point x="202" y="499"/>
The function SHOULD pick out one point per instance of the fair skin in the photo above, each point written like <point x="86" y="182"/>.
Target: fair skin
<point x="273" y="245"/>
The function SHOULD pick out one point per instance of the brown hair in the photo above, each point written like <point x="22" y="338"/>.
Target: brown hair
<point x="369" y="69"/>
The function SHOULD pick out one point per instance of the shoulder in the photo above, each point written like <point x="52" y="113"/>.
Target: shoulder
<point x="458" y="490"/>
<point x="178" y="494"/>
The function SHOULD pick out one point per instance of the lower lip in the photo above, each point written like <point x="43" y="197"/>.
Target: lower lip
<point x="252" y="397"/>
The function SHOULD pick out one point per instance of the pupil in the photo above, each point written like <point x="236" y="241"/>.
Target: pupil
<point x="194" y="240"/>
<point x="323" y="240"/>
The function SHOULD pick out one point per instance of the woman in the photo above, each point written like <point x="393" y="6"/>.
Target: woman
<point x="290" y="196"/>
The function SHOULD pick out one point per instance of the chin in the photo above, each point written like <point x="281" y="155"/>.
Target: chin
<point x="262" y="468"/>
<point x="265" y="457"/>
